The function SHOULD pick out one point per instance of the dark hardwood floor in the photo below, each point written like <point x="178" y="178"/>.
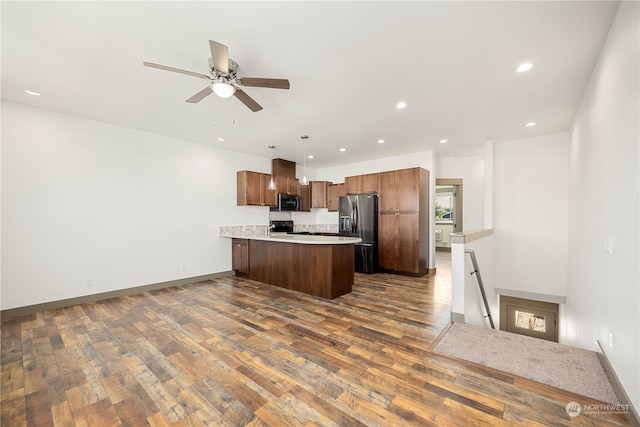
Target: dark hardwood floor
<point x="233" y="352"/>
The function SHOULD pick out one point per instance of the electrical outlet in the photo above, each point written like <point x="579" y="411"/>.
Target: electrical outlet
<point x="89" y="282"/>
<point x="611" y="340"/>
<point x="606" y="245"/>
<point x="183" y="268"/>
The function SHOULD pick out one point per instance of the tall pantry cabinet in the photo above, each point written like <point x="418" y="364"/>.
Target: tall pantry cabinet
<point x="403" y="221"/>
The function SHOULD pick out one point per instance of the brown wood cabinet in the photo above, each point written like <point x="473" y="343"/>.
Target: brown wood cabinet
<point x="253" y="189"/>
<point x="281" y="167"/>
<point x="399" y="190"/>
<point x="319" y="190"/>
<point x="321" y="270"/>
<point x="403" y="227"/>
<point x="362" y="184"/>
<point x="334" y="191"/>
<point x="304" y="191"/>
<point x="240" y="256"/>
<point x="286" y="185"/>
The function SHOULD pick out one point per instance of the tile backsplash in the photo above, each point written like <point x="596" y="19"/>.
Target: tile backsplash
<point x="239" y="230"/>
<point x="330" y="228"/>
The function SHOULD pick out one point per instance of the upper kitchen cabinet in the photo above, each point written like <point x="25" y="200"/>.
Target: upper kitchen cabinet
<point x="253" y="189"/>
<point x="334" y="191"/>
<point x="281" y="167"/>
<point x="319" y="190"/>
<point x="313" y="195"/>
<point x="286" y="185"/>
<point x="399" y="190"/>
<point x="361" y="184"/>
<point x="304" y="191"/>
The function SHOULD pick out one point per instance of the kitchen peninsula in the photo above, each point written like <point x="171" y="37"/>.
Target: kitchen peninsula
<point x="316" y="265"/>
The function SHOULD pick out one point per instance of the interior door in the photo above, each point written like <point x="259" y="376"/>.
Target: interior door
<point x="457" y="210"/>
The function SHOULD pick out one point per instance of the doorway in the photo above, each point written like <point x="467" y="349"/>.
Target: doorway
<point x="448" y="204"/>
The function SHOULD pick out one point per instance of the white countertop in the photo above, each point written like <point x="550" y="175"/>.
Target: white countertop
<point x="297" y="238"/>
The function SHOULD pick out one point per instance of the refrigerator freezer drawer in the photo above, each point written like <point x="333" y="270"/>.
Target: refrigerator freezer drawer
<point x="366" y="258"/>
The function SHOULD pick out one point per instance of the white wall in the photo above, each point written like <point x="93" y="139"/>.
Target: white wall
<point x="531" y="214"/>
<point x="89" y="200"/>
<point x="603" y="293"/>
<point x="424" y="159"/>
<point x="83" y="199"/>
<point x="471" y="171"/>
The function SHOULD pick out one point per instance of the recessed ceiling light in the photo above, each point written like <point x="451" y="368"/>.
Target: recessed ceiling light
<point x="381" y="141"/>
<point x="221" y="139"/>
<point x="343" y="149"/>
<point x="310" y="156"/>
<point x="530" y="124"/>
<point x="31" y="92"/>
<point x="271" y="146"/>
<point x="401" y="105"/>
<point x="443" y="141"/>
<point x="524" y="67"/>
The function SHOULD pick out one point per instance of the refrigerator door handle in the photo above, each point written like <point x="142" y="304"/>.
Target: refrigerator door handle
<point x="354" y="224"/>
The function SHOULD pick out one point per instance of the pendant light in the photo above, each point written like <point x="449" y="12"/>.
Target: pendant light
<point x="272" y="182"/>
<point x="305" y="180"/>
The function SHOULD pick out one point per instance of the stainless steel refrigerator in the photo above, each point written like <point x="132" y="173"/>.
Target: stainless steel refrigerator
<point x="359" y="218"/>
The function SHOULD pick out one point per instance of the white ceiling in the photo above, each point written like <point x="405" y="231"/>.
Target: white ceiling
<point x="349" y="63"/>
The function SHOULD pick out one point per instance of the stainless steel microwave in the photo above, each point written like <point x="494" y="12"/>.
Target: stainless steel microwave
<point x="288" y="202"/>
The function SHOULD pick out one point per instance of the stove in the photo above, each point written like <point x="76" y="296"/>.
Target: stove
<point x="281" y="226"/>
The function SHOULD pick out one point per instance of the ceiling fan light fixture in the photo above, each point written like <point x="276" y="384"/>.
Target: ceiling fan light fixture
<point x="222" y="88"/>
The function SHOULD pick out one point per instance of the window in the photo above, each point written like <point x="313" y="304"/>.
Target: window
<point x="529" y="317"/>
<point x="530" y="321"/>
<point x="444" y="203"/>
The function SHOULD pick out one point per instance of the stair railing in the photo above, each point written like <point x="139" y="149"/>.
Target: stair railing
<point x="476" y="271"/>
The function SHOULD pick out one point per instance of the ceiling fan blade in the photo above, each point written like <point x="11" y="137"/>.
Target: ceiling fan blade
<point x="200" y="95"/>
<point x="260" y="82"/>
<point x="247" y="100"/>
<point x="220" y="56"/>
<point x="176" y="70"/>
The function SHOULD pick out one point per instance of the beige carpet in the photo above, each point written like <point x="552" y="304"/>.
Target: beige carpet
<point x="568" y="368"/>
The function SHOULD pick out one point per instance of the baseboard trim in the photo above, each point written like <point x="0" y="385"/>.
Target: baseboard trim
<point x="457" y="317"/>
<point x="632" y="416"/>
<point x="30" y="309"/>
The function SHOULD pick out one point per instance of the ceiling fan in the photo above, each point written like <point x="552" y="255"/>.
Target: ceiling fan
<point x="224" y="80"/>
